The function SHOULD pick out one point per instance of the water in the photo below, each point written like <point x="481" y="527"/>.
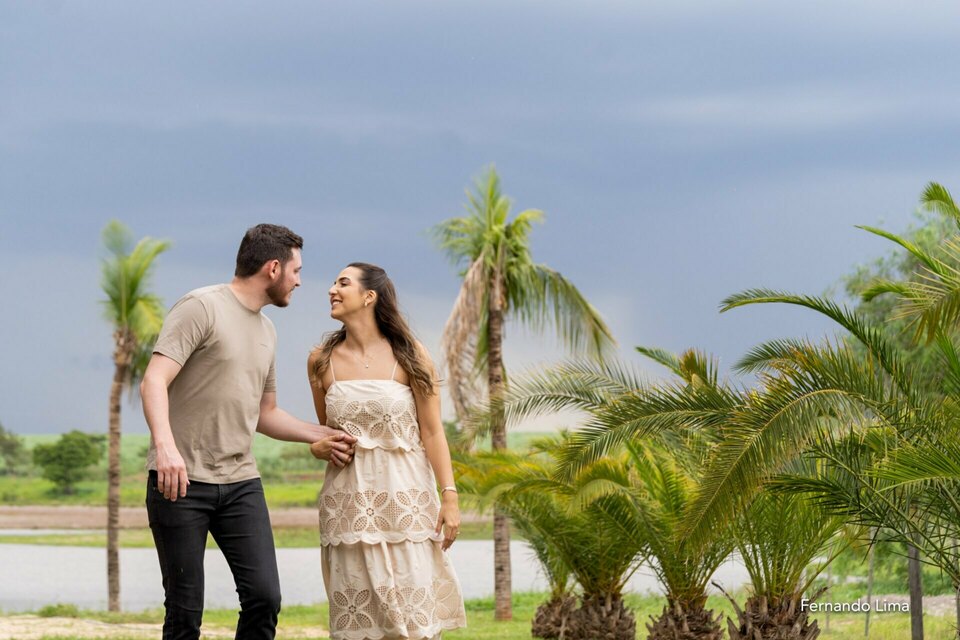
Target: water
<point x="38" y="575"/>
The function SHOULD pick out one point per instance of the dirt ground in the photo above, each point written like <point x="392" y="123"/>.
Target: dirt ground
<point x="28" y="627"/>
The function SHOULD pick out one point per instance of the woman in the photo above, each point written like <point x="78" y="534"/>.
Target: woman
<point x="383" y="528"/>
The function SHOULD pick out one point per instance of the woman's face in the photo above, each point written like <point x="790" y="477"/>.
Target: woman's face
<point x="347" y="295"/>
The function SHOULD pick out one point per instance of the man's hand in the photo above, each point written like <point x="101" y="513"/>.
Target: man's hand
<point x="172" y="478"/>
<point x="336" y="448"/>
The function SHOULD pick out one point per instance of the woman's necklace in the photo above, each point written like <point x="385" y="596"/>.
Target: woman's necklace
<point x="369" y="359"/>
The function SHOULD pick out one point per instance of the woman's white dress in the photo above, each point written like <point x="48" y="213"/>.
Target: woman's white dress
<point x="383" y="568"/>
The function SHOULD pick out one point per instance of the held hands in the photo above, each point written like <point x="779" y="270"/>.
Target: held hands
<point x="449" y="519"/>
<point x="172" y="479"/>
<point x="336" y="448"/>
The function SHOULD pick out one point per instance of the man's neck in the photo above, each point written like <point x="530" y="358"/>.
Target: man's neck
<point x="249" y="293"/>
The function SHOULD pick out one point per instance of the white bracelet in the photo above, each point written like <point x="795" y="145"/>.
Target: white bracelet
<point x="454" y="489"/>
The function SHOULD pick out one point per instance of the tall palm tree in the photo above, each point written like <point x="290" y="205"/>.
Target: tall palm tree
<point x="501" y="281"/>
<point x="136" y="316"/>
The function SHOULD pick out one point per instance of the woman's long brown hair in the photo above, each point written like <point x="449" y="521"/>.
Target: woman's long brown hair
<point x="391" y="324"/>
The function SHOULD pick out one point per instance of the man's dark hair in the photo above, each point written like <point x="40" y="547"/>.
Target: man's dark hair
<point x="263" y="243"/>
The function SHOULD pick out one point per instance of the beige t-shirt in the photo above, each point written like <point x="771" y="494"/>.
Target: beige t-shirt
<point x="227" y="354"/>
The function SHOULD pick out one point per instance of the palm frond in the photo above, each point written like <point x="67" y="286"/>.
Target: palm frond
<point x="761" y="436"/>
<point x="872" y="337"/>
<point x="882" y="286"/>
<point x="937" y="198"/>
<point x="922" y="256"/>
<point x="546" y="297"/>
<point x="459" y="340"/>
<point x="125" y="279"/>
<point x="663" y="357"/>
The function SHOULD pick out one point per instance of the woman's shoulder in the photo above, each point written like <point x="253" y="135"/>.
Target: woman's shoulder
<point x="315" y="355"/>
<point x="317" y="363"/>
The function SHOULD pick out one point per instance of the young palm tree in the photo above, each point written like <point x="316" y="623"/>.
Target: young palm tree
<point x="501" y="281"/>
<point x="779" y="537"/>
<point x="878" y="390"/>
<point x="651" y="507"/>
<point x="573" y="536"/>
<point x="136" y="316"/>
<point x="698" y="408"/>
<point x="483" y="480"/>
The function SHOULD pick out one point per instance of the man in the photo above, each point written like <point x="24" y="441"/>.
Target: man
<point x="209" y="385"/>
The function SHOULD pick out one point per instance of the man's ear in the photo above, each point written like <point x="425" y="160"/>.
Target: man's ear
<point x="272" y="269"/>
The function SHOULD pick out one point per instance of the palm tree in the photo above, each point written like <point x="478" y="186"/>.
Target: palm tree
<point x="485" y="480"/>
<point x="779" y="537"/>
<point x="136" y="316"/>
<point x="501" y="281"/>
<point x="565" y="522"/>
<point x="662" y="485"/>
<point x="879" y="390"/>
<point x="681" y="417"/>
<point x="928" y="299"/>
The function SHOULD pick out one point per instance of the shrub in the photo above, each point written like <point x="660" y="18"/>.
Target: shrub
<point x="65" y="462"/>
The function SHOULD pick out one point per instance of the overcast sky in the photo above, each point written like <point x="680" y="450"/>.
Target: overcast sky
<point x="682" y="151"/>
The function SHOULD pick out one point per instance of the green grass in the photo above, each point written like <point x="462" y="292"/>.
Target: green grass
<point x="284" y="537"/>
<point x="291" y="476"/>
<point x="481" y="626"/>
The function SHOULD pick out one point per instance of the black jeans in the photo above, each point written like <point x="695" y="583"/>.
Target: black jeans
<point x="237" y="517"/>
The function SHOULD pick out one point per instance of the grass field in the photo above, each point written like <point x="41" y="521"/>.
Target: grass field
<point x="292" y="476"/>
<point x="889" y="626"/>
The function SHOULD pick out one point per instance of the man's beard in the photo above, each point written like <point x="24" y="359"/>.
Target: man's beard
<point x="278" y="295"/>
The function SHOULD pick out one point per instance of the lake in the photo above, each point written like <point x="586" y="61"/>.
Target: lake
<point x="38" y="575"/>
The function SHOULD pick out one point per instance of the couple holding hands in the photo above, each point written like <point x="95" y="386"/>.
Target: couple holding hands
<point x="388" y="507"/>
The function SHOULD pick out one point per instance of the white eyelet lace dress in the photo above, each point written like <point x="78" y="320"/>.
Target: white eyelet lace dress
<point x="384" y="571"/>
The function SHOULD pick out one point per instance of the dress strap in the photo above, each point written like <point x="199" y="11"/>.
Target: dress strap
<point x="331" y="367"/>
<point x="394" y="373"/>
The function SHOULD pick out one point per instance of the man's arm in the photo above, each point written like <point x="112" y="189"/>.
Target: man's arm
<point x="329" y="444"/>
<point x="172" y="478"/>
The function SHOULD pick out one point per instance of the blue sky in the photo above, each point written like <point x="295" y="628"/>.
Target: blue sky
<point x="681" y="151"/>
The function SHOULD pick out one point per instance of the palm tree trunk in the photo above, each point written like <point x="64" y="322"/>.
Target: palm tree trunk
<point x="956" y="602"/>
<point x="685" y="619"/>
<point x="503" y="609"/>
<point x="121" y="357"/>
<point x="916" y="593"/>
<point x="773" y="619"/>
<point x="872" y="555"/>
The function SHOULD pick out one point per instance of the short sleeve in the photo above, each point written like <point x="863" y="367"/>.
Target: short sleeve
<point x="184" y="330"/>
<point x="271" y="384"/>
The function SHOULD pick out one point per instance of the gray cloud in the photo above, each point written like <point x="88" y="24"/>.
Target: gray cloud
<point x="682" y="151"/>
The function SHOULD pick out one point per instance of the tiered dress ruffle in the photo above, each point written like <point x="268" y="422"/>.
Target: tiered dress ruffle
<point x="383" y="568"/>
